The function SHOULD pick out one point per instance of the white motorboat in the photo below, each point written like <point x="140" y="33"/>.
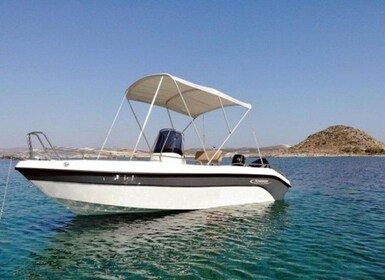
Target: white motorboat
<point x="167" y="180"/>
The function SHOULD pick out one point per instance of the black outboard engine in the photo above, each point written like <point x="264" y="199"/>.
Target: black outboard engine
<point x="259" y="163"/>
<point x="169" y="141"/>
<point x="238" y="160"/>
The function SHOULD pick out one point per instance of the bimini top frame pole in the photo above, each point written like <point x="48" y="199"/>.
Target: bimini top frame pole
<point x="231" y="132"/>
<point x="148" y="115"/>
<point x="191" y="119"/>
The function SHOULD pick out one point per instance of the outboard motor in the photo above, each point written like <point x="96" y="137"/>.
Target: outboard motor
<point x="238" y="160"/>
<point x="259" y="163"/>
<point x="169" y="141"/>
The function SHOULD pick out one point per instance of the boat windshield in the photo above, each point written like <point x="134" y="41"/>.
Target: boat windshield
<point x="169" y="141"/>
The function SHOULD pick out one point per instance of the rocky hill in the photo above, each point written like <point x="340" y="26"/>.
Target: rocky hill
<point x="339" y="139"/>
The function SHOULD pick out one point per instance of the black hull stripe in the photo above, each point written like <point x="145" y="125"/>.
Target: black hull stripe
<point x="148" y="179"/>
<point x="274" y="185"/>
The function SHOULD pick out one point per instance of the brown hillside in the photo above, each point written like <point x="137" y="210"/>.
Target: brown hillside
<point x="339" y="139"/>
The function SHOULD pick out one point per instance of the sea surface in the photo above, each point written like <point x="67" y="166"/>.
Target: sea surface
<point x="331" y="225"/>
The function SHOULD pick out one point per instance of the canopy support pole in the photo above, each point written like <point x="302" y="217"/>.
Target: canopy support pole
<point x="169" y="116"/>
<point x="112" y="125"/>
<point x="147" y="117"/>
<point x="187" y="126"/>
<point x="204" y="130"/>
<point x="137" y="121"/>
<point x="191" y="118"/>
<point x="255" y="139"/>
<point x="225" y="116"/>
<point x="227" y="138"/>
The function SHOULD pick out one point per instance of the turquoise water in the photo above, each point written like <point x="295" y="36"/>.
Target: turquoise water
<point x="330" y="226"/>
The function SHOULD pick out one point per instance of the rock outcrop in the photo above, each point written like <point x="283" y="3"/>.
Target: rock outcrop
<point x="339" y="139"/>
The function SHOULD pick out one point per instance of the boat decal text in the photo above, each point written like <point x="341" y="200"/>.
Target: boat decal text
<point x="260" y="181"/>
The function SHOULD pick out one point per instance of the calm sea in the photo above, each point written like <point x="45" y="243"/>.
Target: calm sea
<point x="330" y="226"/>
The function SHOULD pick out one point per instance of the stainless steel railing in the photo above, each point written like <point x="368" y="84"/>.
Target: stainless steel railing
<point x="44" y="142"/>
<point x="49" y="152"/>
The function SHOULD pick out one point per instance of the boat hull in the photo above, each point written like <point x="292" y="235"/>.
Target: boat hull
<point x="91" y="192"/>
<point x="91" y="199"/>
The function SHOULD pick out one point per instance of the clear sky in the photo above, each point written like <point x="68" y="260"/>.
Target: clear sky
<point x="303" y="65"/>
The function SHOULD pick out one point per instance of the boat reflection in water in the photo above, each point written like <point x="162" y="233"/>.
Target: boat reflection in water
<point x="210" y="243"/>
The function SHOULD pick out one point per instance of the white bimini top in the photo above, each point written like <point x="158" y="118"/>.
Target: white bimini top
<point x="180" y="95"/>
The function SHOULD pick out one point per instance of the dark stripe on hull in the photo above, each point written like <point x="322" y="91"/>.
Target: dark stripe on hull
<point x="274" y="185"/>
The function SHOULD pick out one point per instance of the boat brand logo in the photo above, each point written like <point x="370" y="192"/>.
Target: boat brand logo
<point x="260" y="181"/>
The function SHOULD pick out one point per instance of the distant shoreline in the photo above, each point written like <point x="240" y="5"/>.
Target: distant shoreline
<point x="116" y="154"/>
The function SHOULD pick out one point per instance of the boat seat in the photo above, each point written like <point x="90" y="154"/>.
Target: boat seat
<point x="202" y="158"/>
